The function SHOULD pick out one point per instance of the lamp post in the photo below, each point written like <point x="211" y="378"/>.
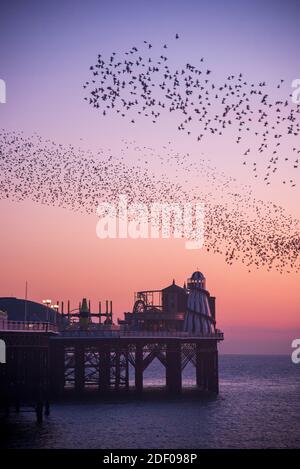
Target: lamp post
<point x="55" y="308"/>
<point x="47" y="303"/>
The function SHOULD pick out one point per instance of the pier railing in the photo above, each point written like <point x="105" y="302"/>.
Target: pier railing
<point x="112" y="331"/>
<point x="217" y="335"/>
<point x="132" y="334"/>
<point x="26" y="326"/>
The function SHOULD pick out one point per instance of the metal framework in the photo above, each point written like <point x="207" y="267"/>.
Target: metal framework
<point x="102" y="364"/>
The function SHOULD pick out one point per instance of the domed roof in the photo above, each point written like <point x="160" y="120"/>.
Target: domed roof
<point x="197" y="276"/>
<point x="35" y="311"/>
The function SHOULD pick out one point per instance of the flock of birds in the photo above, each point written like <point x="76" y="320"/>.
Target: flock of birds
<point x="237" y="225"/>
<point x="142" y="83"/>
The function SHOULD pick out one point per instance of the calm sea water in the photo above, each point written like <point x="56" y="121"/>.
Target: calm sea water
<point x="258" y="407"/>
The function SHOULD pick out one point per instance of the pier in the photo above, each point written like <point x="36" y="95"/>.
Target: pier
<point x="78" y="355"/>
<point x="24" y="376"/>
<point x="102" y="363"/>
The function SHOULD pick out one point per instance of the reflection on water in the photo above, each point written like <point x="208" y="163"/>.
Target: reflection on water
<point x="258" y="406"/>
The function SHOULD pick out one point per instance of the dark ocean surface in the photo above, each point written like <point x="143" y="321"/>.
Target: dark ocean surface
<point x="258" y="407"/>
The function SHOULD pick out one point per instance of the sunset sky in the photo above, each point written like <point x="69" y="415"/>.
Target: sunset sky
<point x="46" y="51"/>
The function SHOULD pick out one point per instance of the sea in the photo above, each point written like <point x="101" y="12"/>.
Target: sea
<point x="258" y="407"/>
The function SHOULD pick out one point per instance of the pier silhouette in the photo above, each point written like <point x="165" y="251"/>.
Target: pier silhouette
<point x="81" y="351"/>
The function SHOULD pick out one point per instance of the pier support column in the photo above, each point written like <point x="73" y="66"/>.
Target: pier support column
<point x="79" y="368"/>
<point x="139" y="368"/>
<point x="117" y="369"/>
<point x="199" y="367"/>
<point x="57" y="369"/>
<point x="104" y="368"/>
<point x="206" y="371"/>
<point x="212" y="372"/>
<point x="126" y="358"/>
<point x="173" y="367"/>
<point x="217" y="371"/>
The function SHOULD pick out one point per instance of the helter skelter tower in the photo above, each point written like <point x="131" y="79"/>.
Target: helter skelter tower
<point x="200" y="313"/>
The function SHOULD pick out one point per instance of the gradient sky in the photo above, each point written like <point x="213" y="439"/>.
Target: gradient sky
<point x="45" y="54"/>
